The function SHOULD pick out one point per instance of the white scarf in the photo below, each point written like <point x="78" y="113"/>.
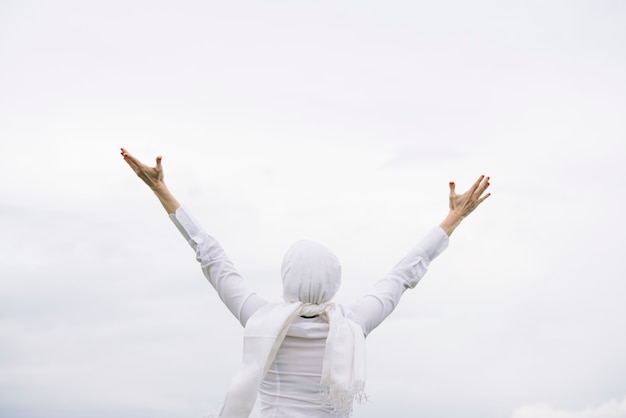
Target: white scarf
<point x="311" y="277"/>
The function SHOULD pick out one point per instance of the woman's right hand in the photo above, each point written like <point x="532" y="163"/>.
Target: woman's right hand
<point x="464" y="204"/>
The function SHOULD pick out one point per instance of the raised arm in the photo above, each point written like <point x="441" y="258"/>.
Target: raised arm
<point x="153" y="177"/>
<point x="370" y="310"/>
<point x="215" y="264"/>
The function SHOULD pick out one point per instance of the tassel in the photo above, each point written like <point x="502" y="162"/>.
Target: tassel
<point x="342" y="401"/>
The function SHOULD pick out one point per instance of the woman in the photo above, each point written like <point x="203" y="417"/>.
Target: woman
<point x="304" y="356"/>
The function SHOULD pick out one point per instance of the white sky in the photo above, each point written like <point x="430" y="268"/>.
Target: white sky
<point x="337" y="121"/>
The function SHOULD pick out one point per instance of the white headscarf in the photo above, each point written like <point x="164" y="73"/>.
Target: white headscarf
<point x="311" y="277"/>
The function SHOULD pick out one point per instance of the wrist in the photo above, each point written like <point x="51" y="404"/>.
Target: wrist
<point x="158" y="187"/>
<point x="169" y="202"/>
<point x="451" y="221"/>
<point x="455" y="215"/>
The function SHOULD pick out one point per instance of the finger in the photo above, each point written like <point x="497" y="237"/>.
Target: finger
<point x="158" y="162"/>
<point x="134" y="163"/>
<point x="479" y="187"/>
<point x="482" y="199"/>
<point x="130" y="159"/>
<point x="476" y="184"/>
<point x="483" y="186"/>
<point x="452" y="189"/>
<point x="125" y="154"/>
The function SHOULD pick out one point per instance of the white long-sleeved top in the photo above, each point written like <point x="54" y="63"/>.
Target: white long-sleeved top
<point x="291" y="388"/>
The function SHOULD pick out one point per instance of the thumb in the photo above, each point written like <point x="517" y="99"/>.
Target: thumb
<point x="452" y="188"/>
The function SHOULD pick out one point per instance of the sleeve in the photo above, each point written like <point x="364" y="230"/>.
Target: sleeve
<point x="218" y="268"/>
<point x="372" y="308"/>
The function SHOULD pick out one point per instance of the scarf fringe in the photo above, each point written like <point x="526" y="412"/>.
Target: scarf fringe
<point x="342" y="401"/>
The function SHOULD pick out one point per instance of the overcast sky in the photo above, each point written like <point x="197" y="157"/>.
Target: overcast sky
<point x="336" y="121"/>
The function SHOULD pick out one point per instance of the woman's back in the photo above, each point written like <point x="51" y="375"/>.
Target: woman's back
<point x="291" y="388"/>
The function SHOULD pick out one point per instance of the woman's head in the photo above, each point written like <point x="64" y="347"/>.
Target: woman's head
<point x="311" y="273"/>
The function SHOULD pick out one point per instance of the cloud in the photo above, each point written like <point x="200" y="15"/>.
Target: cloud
<point x="609" y="409"/>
